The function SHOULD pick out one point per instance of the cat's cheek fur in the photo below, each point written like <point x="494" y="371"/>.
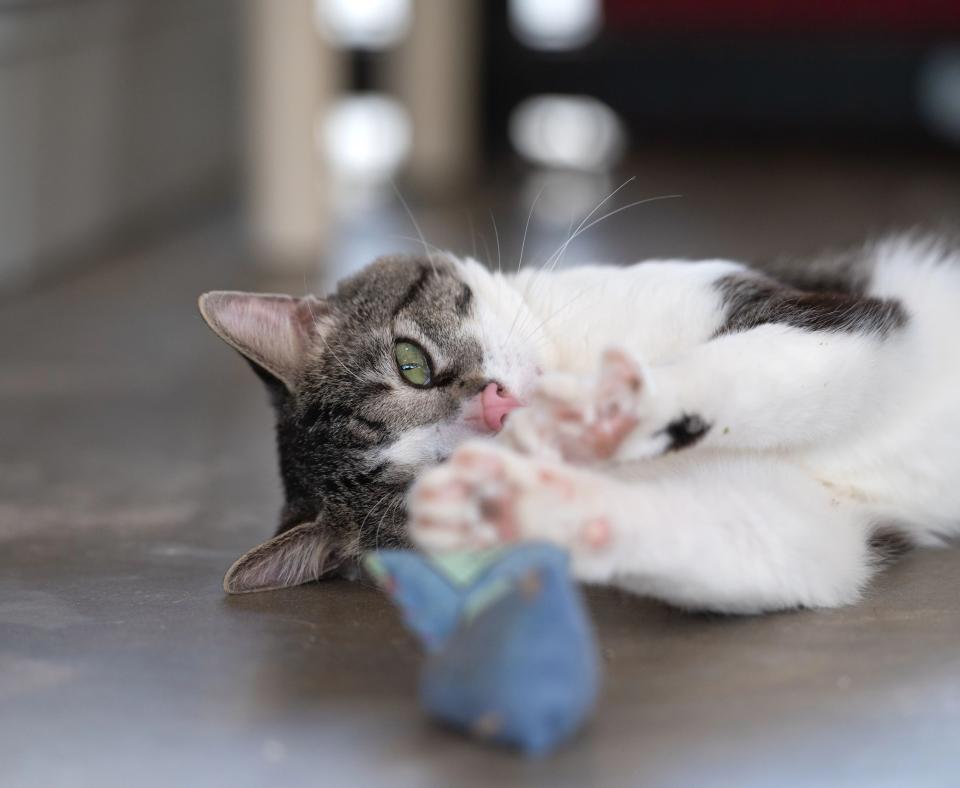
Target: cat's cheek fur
<point x="511" y="336"/>
<point x="424" y="446"/>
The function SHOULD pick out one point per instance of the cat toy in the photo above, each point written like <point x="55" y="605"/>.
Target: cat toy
<point x="511" y="656"/>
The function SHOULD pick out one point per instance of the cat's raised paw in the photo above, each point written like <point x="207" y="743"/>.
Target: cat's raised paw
<point x="583" y="420"/>
<point x="618" y="403"/>
<point x="485" y="495"/>
<point x="620" y="415"/>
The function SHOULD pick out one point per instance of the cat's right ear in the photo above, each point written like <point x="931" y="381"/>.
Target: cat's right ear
<point x="273" y="332"/>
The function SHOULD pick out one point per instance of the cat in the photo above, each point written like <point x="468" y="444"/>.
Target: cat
<point x="713" y="435"/>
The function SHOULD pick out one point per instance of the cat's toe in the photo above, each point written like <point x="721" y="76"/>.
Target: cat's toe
<point x="621" y="383"/>
<point x="486" y="495"/>
<point x="624" y="404"/>
<point x="637" y="417"/>
<point x="436" y="510"/>
<point x="466" y="503"/>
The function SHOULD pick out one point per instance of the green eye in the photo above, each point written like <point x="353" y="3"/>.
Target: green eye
<point x="413" y="363"/>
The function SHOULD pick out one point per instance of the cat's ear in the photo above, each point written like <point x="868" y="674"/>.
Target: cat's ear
<point x="300" y="555"/>
<point x="273" y="331"/>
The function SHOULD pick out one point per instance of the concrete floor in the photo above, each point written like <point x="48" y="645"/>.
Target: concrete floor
<point x="136" y="464"/>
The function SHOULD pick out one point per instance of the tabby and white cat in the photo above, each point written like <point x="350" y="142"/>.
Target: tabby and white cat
<point x="702" y="432"/>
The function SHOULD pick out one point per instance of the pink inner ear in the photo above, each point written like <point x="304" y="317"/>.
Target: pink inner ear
<point x="297" y="556"/>
<point x="272" y="330"/>
<point x="309" y="314"/>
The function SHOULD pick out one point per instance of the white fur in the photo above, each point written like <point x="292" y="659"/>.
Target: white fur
<point x="817" y="437"/>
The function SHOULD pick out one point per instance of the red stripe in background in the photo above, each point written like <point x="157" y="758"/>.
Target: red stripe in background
<point x="937" y="17"/>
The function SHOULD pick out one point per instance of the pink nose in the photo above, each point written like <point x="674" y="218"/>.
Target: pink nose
<point x="496" y="403"/>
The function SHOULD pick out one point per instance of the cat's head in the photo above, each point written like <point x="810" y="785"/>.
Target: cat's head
<point x="407" y="359"/>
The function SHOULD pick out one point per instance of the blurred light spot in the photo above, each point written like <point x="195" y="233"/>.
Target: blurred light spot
<point x="363" y="24"/>
<point x="574" y="132"/>
<point x="365" y="137"/>
<point x="939" y="92"/>
<point x="555" y="24"/>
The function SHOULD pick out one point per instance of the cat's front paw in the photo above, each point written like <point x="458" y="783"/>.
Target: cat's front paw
<point x="623" y="414"/>
<point x="486" y="495"/>
<point x="583" y="420"/>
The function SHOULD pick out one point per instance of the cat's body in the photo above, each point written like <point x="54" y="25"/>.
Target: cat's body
<point x="700" y="432"/>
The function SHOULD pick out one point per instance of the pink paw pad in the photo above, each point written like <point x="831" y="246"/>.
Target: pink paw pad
<point x="560" y="483"/>
<point x="488" y="466"/>
<point x="621" y="383"/>
<point x="597" y="533"/>
<point x="428" y="522"/>
<point x="451" y="491"/>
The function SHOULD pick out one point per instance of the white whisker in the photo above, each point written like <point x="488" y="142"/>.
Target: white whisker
<point x="615" y="211"/>
<point x="488" y="259"/>
<point x="497" y="236"/>
<point x="337" y="359"/>
<point x="551" y="262"/>
<point x="435" y="248"/>
<point x="473" y="233"/>
<point x="364" y="521"/>
<point x="560" y="249"/>
<point x="556" y="312"/>
<point x="326" y="344"/>
<point x="416" y="226"/>
<point x="392" y="507"/>
<point x="526" y="227"/>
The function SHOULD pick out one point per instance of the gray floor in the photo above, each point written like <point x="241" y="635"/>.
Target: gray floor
<point x="136" y="463"/>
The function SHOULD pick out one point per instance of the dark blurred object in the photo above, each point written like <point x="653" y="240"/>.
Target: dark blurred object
<point x="746" y="71"/>
<point x="896" y="17"/>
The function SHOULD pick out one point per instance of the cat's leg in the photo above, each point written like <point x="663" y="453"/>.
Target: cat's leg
<point x="737" y="535"/>
<point x="770" y="387"/>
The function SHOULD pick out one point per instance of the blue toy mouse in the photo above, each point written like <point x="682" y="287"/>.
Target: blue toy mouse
<point x="511" y="655"/>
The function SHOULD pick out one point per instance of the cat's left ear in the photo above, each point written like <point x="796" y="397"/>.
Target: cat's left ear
<point x="300" y="555"/>
<point x="274" y="332"/>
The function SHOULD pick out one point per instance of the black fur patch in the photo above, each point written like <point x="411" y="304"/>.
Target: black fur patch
<point x="752" y="301"/>
<point x="464" y="300"/>
<point x="888" y="544"/>
<point x="686" y="431"/>
<point x="837" y="271"/>
<point x="413" y="291"/>
<point x="850" y="269"/>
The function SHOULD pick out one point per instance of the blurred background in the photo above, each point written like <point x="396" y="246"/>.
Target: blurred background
<point x="150" y="151"/>
<point x="122" y="121"/>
